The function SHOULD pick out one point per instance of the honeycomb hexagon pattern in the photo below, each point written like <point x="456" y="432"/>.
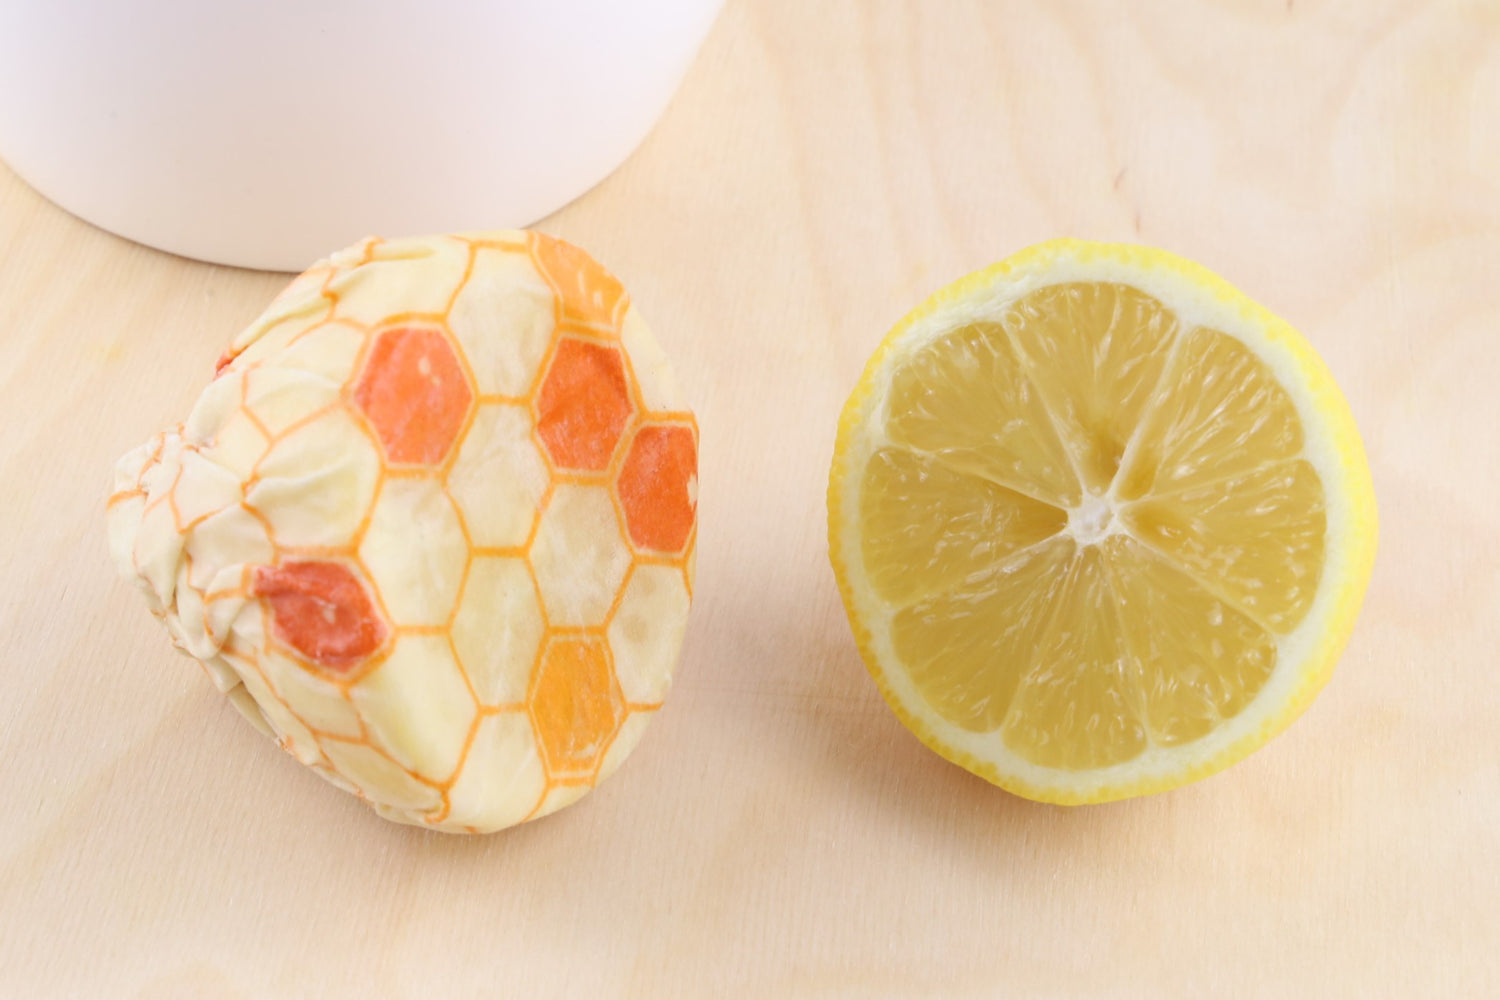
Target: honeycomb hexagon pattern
<point x="431" y="526"/>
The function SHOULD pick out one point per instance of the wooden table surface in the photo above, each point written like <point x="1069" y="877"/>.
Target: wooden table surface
<point x="778" y="834"/>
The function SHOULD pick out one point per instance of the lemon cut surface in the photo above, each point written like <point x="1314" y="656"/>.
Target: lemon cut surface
<point x="1101" y="523"/>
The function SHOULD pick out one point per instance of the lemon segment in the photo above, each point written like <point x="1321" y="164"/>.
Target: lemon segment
<point x="967" y="399"/>
<point x="967" y="650"/>
<point x="930" y="527"/>
<point x="1096" y="351"/>
<point x="1257" y="539"/>
<point x="1222" y="413"/>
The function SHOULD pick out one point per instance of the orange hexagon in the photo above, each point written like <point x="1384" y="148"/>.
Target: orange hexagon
<point x="415" y="394"/>
<point x="575" y="705"/>
<point x="583" y="405"/>
<point x="322" y="611"/>
<point x="658" y="487"/>
<point x="589" y="296"/>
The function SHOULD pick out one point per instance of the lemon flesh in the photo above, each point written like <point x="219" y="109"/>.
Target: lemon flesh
<point x="1080" y="512"/>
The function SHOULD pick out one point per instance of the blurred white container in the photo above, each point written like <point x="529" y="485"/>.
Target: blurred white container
<point x="266" y="133"/>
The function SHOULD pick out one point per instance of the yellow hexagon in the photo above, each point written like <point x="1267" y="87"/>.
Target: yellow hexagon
<point x="316" y="484"/>
<point x="498" y="629"/>
<point x="499" y="477"/>
<point x="646" y="631"/>
<point x="417" y="705"/>
<point x="575" y="706"/>
<point x="502" y="778"/>
<point x="402" y="277"/>
<point x="579" y="555"/>
<point x="503" y="319"/>
<point x="415" y="551"/>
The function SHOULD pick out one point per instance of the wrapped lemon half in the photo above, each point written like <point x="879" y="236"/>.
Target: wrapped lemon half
<point x="431" y="526"/>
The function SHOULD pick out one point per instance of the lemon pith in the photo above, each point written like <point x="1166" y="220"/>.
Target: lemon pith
<point x="1101" y="523"/>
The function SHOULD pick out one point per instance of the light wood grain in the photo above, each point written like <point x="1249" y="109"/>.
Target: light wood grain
<point x="778" y="834"/>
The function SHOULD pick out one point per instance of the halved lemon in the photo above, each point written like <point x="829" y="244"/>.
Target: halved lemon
<point x="1102" y="524"/>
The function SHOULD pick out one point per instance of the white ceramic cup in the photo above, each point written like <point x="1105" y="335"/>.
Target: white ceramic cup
<point x="266" y="133"/>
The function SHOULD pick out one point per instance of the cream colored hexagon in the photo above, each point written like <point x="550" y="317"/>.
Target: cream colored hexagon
<point x="280" y="397"/>
<point x="222" y="615"/>
<point x="499" y="476"/>
<point x="219" y="401"/>
<point x="276" y="327"/>
<point x="402" y="276"/>
<point x="306" y="286"/>
<point x="158" y="478"/>
<point x="653" y="374"/>
<point x="345" y="258"/>
<point x="158" y="546"/>
<point x="224" y="431"/>
<point x="498" y="629"/>
<point x="237" y="444"/>
<point x="317" y="482"/>
<point x="187" y="622"/>
<point x="559" y="797"/>
<point x="328" y="350"/>
<point x="381" y="781"/>
<point x="503" y="319"/>
<point x="249" y="628"/>
<point x="205" y="487"/>
<point x="626" y="739"/>
<point x="503" y="777"/>
<point x="243" y="703"/>
<point x="579" y="555"/>
<point x="123" y="516"/>
<point x="292" y="734"/>
<point x="134" y="463"/>
<point x="222" y="545"/>
<point x="220" y="672"/>
<point x="417" y="705"/>
<point x="335" y="779"/>
<point x="316" y="700"/>
<point x="646" y="631"/>
<point x="415" y="551"/>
